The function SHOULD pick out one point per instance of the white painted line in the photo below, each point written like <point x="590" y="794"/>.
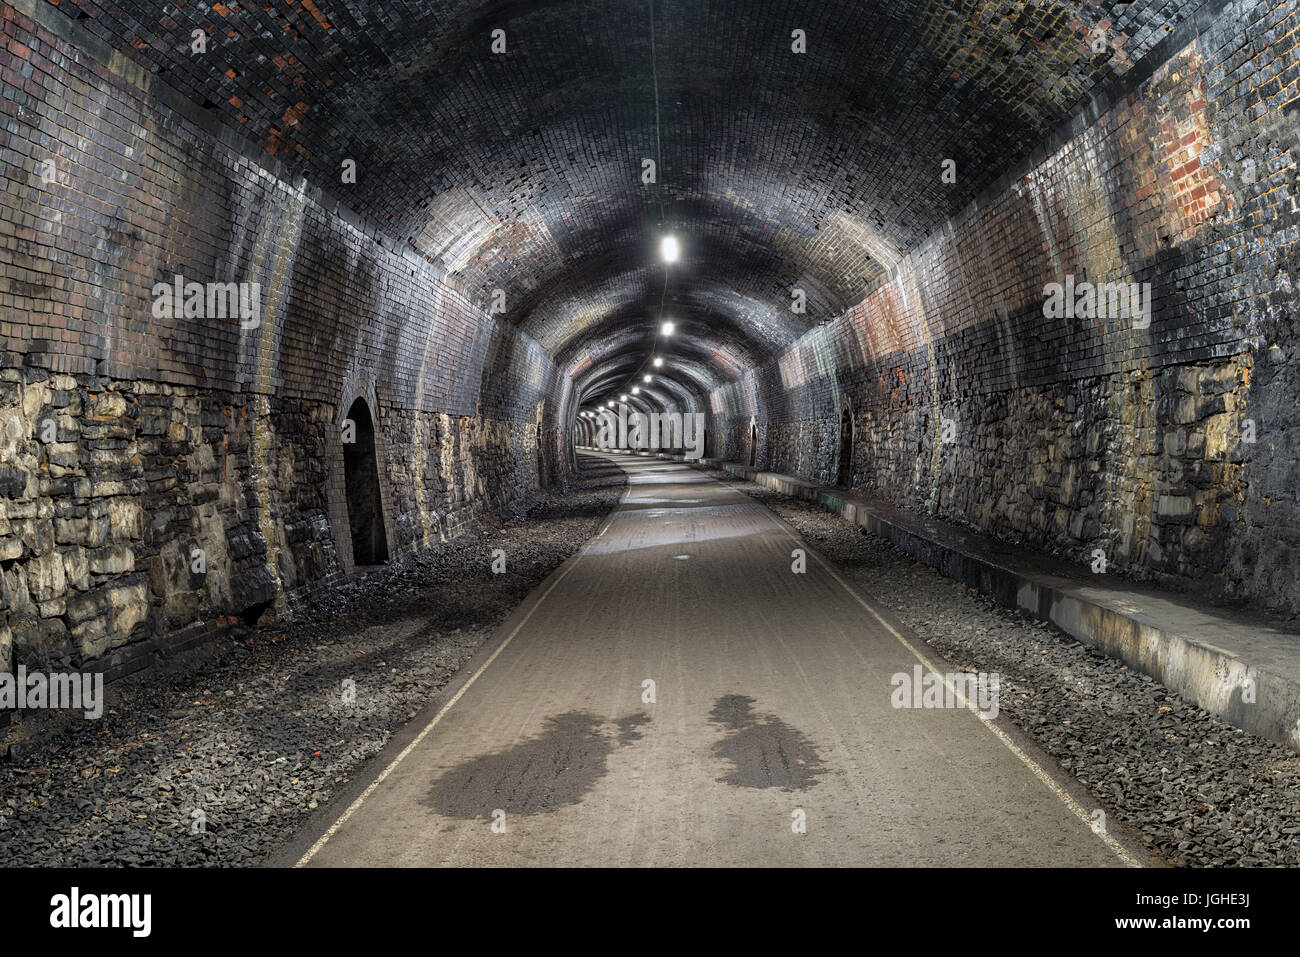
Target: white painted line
<point x="355" y="805"/>
<point x="1075" y="808"/>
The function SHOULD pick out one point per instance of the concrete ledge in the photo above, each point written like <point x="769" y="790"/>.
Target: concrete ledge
<point x="1216" y="657"/>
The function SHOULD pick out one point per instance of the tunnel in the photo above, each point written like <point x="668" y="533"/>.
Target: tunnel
<point x="650" y="433"/>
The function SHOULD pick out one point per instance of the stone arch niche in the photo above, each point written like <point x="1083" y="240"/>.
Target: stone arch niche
<point x="360" y="498"/>
<point x="844" y="475"/>
<point x="753" y="443"/>
<point x="542" y="469"/>
<point x="361" y="484"/>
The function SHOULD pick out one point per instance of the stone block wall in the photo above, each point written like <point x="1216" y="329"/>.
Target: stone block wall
<point x="136" y="447"/>
<point x="1171" y="448"/>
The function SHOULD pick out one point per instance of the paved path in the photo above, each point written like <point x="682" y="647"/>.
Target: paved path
<point x="772" y="704"/>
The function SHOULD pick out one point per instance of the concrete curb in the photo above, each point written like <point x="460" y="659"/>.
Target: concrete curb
<point x="1217" y="658"/>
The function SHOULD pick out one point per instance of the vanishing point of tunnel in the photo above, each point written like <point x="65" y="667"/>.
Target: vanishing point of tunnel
<point x="649" y="433"/>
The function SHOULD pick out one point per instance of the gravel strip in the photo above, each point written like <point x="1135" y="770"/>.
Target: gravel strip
<point x="217" y="764"/>
<point x="1199" y="791"/>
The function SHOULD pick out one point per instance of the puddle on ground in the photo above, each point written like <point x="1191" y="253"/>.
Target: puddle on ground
<point x="764" y="751"/>
<point x="554" y="769"/>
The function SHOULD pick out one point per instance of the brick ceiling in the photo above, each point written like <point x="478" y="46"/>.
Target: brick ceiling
<point x="522" y="171"/>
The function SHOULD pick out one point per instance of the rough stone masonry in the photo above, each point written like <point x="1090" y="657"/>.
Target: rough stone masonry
<point x="165" y="474"/>
<point x="1170" y="447"/>
<point x="455" y="243"/>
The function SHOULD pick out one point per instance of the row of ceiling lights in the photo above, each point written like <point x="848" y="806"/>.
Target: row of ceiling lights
<point x="670" y="251"/>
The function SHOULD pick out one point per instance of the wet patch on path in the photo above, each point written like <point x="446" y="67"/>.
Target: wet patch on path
<point x="763" y="750"/>
<point x="544" y="773"/>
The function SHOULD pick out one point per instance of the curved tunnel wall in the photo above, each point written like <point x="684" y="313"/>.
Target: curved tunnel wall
<point x="138" y="447"/>
<point x="185" y="435"/>
<point x="1088" y="433"/>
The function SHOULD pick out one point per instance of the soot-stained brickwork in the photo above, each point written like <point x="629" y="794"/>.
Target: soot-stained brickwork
<point x="466" y="239"/>
<point x="781" y="160"/>
<point x="1170" y="448"/>
<point x="165" y="468"/>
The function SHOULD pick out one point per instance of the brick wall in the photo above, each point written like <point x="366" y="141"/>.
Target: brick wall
<point x="1081" y="434"/>
<point x="130" y="441"/>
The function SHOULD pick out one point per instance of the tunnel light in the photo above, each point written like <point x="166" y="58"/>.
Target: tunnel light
<point x="669" y="250"/>
<point x="667" y="328"/>
<point x="646" y="379"/>
<point x="623" y="397"/>
<point x="658" y="362"/>
<point x="636" y="390"/>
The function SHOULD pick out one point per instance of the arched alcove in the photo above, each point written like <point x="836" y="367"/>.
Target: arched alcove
<point x="361" y="479"/>
<point x="845" y="475"/>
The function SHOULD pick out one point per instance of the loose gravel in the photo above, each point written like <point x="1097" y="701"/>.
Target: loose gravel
<point x="218" y="763"/>
<point x="1198" y="791"/>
